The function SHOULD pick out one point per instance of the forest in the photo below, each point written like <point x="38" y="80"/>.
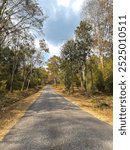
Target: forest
<point x="86" y="60"/>
<point x="21" y="64"/>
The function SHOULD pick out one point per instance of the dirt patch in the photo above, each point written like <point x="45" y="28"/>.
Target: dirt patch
<point x="10" y="115"/>
<point x="100" y="106"/>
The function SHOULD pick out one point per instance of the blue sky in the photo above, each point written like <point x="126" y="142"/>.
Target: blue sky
<point x="63" y="18"/>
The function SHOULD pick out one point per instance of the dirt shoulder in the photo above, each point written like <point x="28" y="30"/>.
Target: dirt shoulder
<point x="99" y="106"/>
<point x="11" y="114"/>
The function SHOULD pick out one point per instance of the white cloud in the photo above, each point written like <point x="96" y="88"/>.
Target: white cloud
<point x="54" y="50"/>
<point x="64" y="3"/>
<point x="63" y="19"/>
<point x="76" y="5"/>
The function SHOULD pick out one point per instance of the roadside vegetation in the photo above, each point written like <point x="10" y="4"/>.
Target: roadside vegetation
<point x="86" y="61"/>
<point x="22" y="74"/>
<point x="84" y="70"/>
<point x="9" y="116"/>
<point x="21" y="64"/>
<point x="85" y="66"/>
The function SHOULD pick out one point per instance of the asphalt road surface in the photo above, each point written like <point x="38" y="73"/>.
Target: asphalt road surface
<point x="53" y="123"/>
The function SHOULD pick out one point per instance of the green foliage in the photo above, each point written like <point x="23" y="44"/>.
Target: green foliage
<point x="81" y="65"/>
<point x="19" y="60"/>
<point x="77" y="81"/>
<point x="109" y="83"/>
<point x="84" y="43"/>
<point x="68" y="63"/>
<point x="99" y="14"/>
<point x="54" y="69"/>
<point x="29" y="17"/>
<point x="100" y="82"/>
<point x="68" y="81"/>
<point x="108" y="75"/>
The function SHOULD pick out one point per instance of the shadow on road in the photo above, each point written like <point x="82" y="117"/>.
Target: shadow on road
<point x="52" y="123"/>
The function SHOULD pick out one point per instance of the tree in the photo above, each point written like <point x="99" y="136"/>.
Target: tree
<point x="19" y="17"/>
<point x="99" y="14"/>
<point x="84" y="45"/>
<point x="54" y="69"/>
<point x="69" y="64"/>
<point x="19" y="22"/>
<point x="43" y="45"/>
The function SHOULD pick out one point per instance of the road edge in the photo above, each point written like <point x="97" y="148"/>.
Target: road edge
<point x="69" y="99"/>
<point x="23" y="105"/>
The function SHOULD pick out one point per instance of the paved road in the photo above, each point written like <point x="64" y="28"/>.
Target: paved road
<point x="52" y="123"/>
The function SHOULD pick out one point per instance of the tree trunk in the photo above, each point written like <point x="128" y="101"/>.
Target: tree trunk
<point x="29" y="79"/>
<point x="102" y="64"/>
<point x="81" y="81"/>
<point x="28" y="83"/>
<point x="23" y="84"/>
<point x="92" y="88"/>
<point x="55" y="83"/>
<point x="85" y="78"/>
<point x="12" y="77"/>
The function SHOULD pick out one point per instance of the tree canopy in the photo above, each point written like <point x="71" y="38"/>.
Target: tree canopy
<point x="20" y="61"/>
<point x="86" y="59"/>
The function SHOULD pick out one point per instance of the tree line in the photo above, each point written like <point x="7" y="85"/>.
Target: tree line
<point x="86" y="61"/>
<point x="20" y="62"/>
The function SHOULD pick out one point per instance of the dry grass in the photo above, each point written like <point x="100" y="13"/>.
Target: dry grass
<point x="99" y="105"/>
<point x="12" y="97"/>
<point x="11" y="114"/>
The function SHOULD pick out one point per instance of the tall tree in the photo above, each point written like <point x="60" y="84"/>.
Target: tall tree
<point x="69" y="64"/>
<point x="54" y="69"/>
<point x="99" y="14"/>
<point x="84" y="43"/>
<point x="19" y="17"/>
<point x="19" y="21"/>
